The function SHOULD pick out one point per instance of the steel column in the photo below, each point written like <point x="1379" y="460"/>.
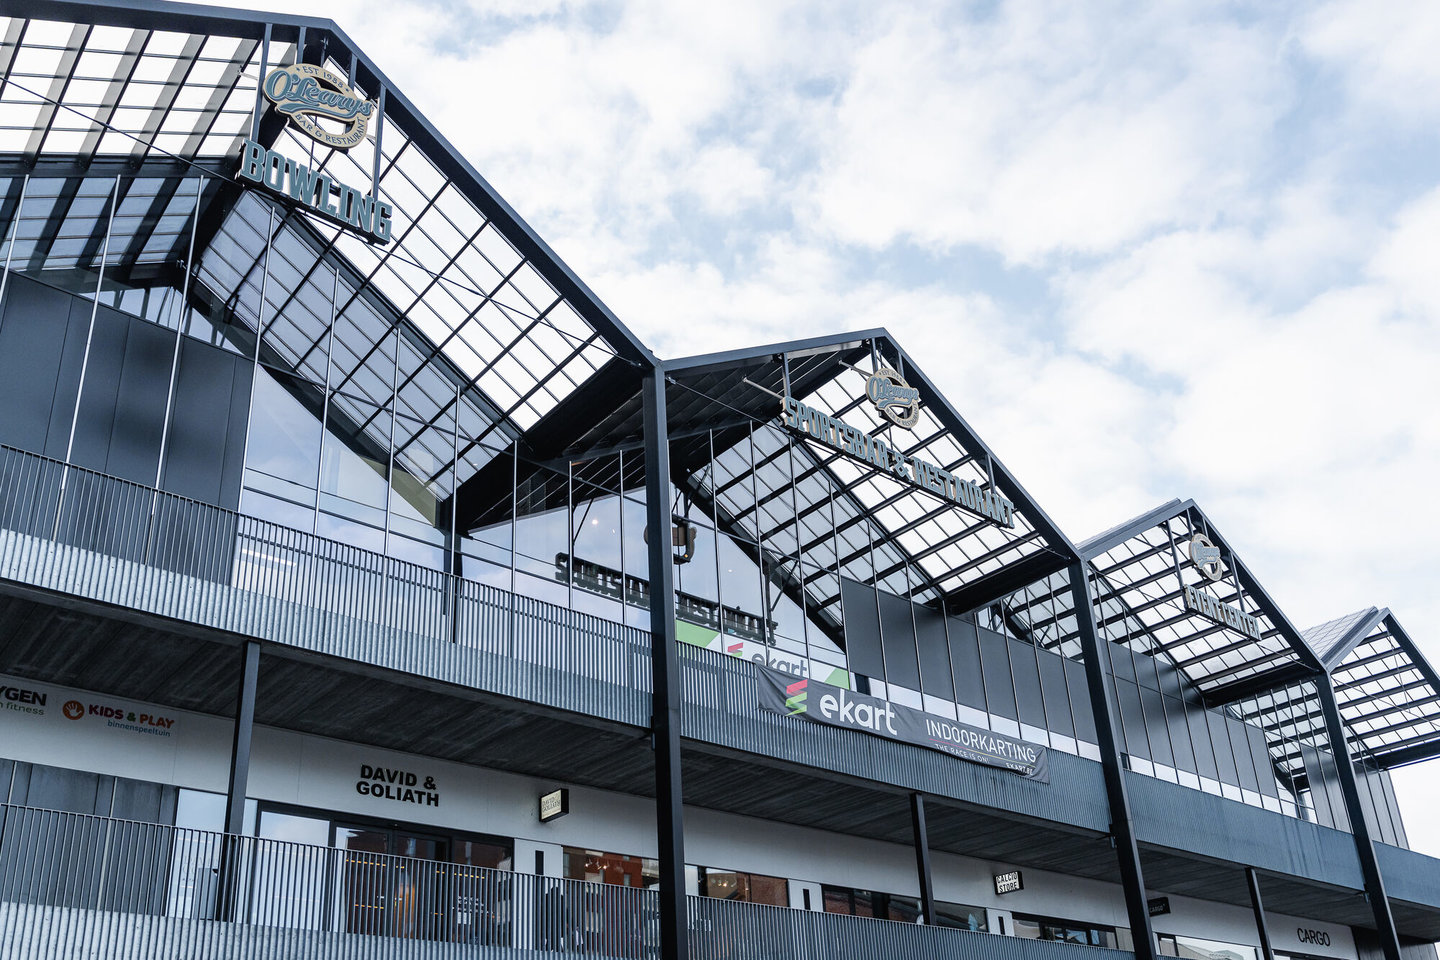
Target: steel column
<point x="1266" y="951"/>
<point x="665" y="673"/>
<point x="922" y="857"/>
<point x="1102" y="704"/>
<point x="1359" y="830"/>
<point x="240" y="745"/>
<point x="232" y="856"/>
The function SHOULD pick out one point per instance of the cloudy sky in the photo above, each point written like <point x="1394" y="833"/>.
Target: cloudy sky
<point x="1148" y="250"/>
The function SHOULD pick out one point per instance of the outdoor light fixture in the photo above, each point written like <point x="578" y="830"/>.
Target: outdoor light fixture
<point x="682" y="537"/>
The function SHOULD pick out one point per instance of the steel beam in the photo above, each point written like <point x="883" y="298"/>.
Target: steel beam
<point x="665" y="674"/>
<point x="922" y="857"/>
<point x="1267" y="952"/>
<point x="1359" y="830"/>
<point x="244" y="730"/>
<point x="1102" y="704"/>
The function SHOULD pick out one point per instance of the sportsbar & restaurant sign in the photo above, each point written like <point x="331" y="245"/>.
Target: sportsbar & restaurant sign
<point x="304" y="92"/>
<point x="837" y="707"/>
<point x="854" y="442"/>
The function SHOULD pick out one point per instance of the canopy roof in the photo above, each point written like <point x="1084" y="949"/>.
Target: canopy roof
<point x="1139" y="575"/>
<point x="114" y="111"/>
<point x="1388" y="693"/>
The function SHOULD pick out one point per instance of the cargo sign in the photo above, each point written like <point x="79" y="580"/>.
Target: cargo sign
<point x="860" y="445"/>
<point x="838" y="707"/>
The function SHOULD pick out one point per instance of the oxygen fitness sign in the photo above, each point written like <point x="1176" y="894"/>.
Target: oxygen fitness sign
<point x="838" y="707"/>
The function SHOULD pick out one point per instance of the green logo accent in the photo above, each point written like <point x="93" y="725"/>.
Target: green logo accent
<point x="795" y="701"/>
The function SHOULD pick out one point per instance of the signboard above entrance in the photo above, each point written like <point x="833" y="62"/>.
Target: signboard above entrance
<point x="860" y="445"/>
<point x="1011" y="882"/>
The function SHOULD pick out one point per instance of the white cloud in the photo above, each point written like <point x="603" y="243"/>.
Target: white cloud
<point x="1052" y="127"/>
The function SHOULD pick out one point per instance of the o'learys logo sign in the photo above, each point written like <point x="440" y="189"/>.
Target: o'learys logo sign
<point x="893" y="397"/>
<point x="1206" y="556"/>
<point x="307" y="94"/>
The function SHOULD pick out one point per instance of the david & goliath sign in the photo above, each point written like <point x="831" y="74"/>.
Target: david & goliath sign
<point x="838" y="707"/>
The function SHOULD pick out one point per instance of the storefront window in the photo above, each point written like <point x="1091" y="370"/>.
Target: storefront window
<point x="1064" y="931"/>
<point x="746" y="887"/>
<point x="960" y="916"/>
<point x="869" y="903"/>
<point x="1195" y="948"/>
<point x="612" y="868"/>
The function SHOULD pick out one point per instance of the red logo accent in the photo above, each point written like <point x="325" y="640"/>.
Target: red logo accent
<point x="735" y="648"/>
<point x="795" y="687"/>
<point x="73" y="709"/>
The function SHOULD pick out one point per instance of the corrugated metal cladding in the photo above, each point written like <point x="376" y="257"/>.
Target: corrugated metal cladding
<point x="1179" y="818"/>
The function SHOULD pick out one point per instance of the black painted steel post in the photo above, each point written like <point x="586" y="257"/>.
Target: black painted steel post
<point x="230" y="857"/>
<point x="922" y="857"/>
<point x="665" y="674"/>
<point x="1102" y="704"/>
<point x="1359" y="829"/>
<point x="1266" y="951"/>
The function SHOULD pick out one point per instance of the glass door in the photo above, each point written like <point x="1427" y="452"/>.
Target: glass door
<point x="364" y="877"/>
<point x="418" y="899"/>
<point x="387" y="896"/>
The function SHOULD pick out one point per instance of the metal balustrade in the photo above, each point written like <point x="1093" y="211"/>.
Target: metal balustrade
<point x="79" y="532"/>
<point x="76" y="885"/>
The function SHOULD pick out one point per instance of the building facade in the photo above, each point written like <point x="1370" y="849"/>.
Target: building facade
<point x="367" y="588"/>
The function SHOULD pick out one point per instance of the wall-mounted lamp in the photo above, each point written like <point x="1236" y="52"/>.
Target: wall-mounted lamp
<point x="682" y="537"/>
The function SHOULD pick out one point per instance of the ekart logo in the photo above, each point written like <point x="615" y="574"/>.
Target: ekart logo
<point x="795" y="697"/>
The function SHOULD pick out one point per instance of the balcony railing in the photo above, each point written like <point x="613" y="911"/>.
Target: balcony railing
<point x="83" y="533"/>
<point x="74" y="885"/>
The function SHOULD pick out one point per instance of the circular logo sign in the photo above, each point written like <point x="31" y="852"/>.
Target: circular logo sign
<point x="307" y="94"/>
<point x="1206" y="556"/>
<point x="893" y="397"/>
<point x="73" y="709"/>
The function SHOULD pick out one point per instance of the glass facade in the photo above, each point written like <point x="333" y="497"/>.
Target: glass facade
<point x="353" y="426"/>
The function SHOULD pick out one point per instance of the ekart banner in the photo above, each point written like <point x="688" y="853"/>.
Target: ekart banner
<point x="838" y="707"/>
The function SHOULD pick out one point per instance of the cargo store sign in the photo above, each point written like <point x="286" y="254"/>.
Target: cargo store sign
<point x="838" y="707"/>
